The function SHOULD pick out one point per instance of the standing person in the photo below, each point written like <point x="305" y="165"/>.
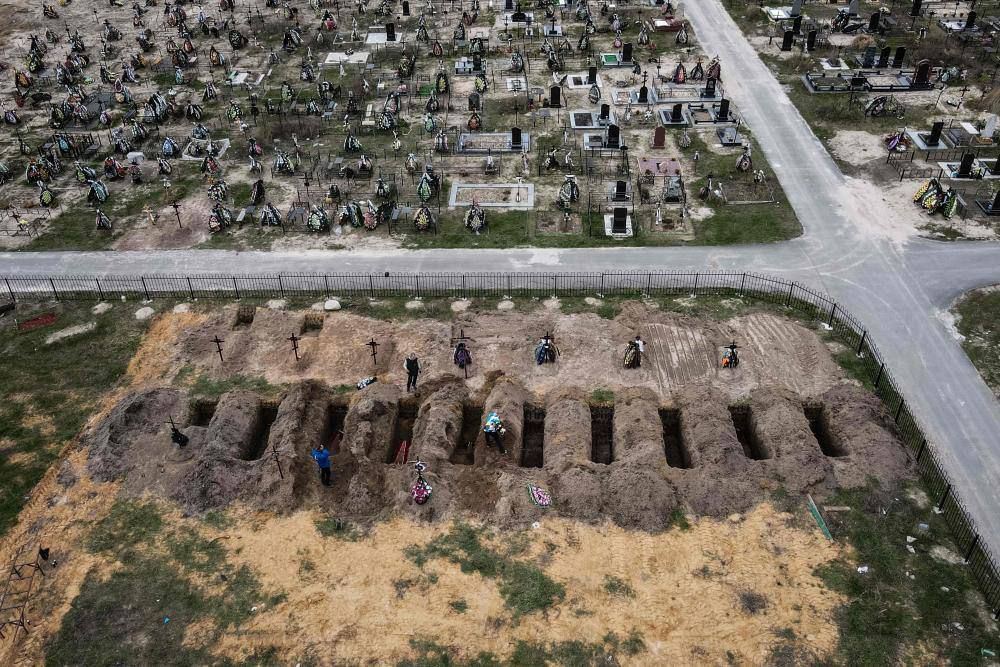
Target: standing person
<point x="640" y="348"/>
<point x="494" y="430"/>
<point x="412" y="367"/>
<point x="322" y="457"/>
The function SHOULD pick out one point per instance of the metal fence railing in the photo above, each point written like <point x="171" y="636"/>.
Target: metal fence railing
<point x="797" y="298"/>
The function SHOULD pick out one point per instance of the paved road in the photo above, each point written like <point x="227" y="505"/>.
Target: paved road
<point x="897" y="287"/>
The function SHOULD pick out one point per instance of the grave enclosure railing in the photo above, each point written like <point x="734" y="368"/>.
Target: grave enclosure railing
<point x="792" y="296"/>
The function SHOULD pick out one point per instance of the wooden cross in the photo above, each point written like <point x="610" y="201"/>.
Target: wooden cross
<point x="295" y="345"/>
<point x="218" y="346"/>
<point x="374" y="346"/>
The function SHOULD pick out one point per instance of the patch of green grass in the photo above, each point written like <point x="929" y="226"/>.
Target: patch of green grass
<point x="394" y="308"/>
<point x="855" y="367"/>
<point x="576" y="653"/>
<point x="602" y="396"/>
<point x="217" y="519"/>
<point x="128" y="525"/>
<point x="459" y="606"/>
<point x="524" y="587"/>
<point x="678" y="519"/>
<point x="329" y="526"/>
<point x="196" y="553"/>
<point x="207" y="387"/>
<point x="618" y="587"/>
<point x="978" y="320"/>
<point x="62" y="382"/>
<point x="904" y="600"/>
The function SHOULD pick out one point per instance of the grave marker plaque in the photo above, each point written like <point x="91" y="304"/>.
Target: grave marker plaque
<point x="723" y="115"/>
<point x="592" y="75"/>
<point x="934" y="138"/>
<point x="811" y="40"/>
<point x="619" y="220"/>
<point x="627" y="52"/>
<point x="515" y="138"/>
<point x="786" y="41"/>
<point x="614" y="137"/>
<point x="643" y="95"/>
<point x="660" y="136"/>
<point x="883" y="58"/>
<point x="897" y="59"/>
<point x="554" y="97"/>
<point x="965" y="167"/>
<point x="676" y="113"/>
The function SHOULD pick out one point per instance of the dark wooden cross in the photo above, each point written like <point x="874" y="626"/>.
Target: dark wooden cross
<point x="177" y="212"/>
<point x="295" y="345"/>
<point x="374" y="346"/>
<point x="218" y="346"/>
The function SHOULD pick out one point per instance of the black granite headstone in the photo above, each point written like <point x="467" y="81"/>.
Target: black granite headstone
<point x="627" y="52"/>
<point x="390" y="32"/>
<point x="797" y="25"/>
<point x="592" y="75"/>
<point x="883" y="58"/>
<point x="965" y="166"/>
<point x="555" y="100"/>
<point x="923" y="73"/>
<point x="995" y="206"/>
<point x="874" y="21"/>
<point x="677" y="113"/>
<point x="605" y="111"/>
<point x="614" y="137"/>
<point x="709" y="87"/>
<point x="934" y="138"/>
<point x="643" y="95"/>
<point x="619" y="220"/>
<point x="477" y="63"/>
<point x="897" y="59"/>
<point x="786" y="41"/>
<point x="915" y="8"/>
<point x="811" y="40"/>
<point x="515" y="138"/>
<point x="621" y="191"/>
<point x="868" y="57"/>
<point x="406" y="7"/>
<point x="723" y="114"/>
<point x="508" y="5"/>
<point x="970" y="22"/>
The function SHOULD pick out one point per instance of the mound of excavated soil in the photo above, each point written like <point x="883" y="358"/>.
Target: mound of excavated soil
<point x="633" y="462"/>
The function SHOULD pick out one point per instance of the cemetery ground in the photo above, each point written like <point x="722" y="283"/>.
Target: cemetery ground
<point x="727" y="571"/>
<point x="977" y="315"/>
<point x="858" y="140"/>
<point x="143" y="216"/>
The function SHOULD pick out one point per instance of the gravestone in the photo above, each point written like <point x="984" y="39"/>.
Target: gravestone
<point x="627" y="52"/>
<point x="965" y="166"/>
<point x="995" y="206"/>
<point x="868" y="57"/>
<point x="923" y="73"/>
<point x="874" y="21"/>
<point x="660" y="136"/>
<point x="934" y="138"/>
<point x="709" y="87"/>
<point x="621" y="191"/>
<point x="915" y="8"/>
<point x="619" y="220"/>
<point x="519" y="17"/>
<point x="677" y="113"/>
<point x="614" y="137"/>
<point x="883" y="58"/>
<point x="390" y="32"/>
<point x="643" y="95"/>
<point x="592" y="75"/>
<point x="515" y="138"/>
<point x="989" y="128"/>
<point x="554" y="97"/>
<point x="796" y="8"/>
<point x="970" y="22"/>
<point x="786" y="41"/>
<point x="406" y="7"/>
<point x="475" y="102"/>
<point x="730" y="136"/>
<point x="605" y="112"/>
<point x="723" y="114"/>
<point x="797" y="25"/>
<point x="508" y="5"/>
<point x="811" y="40"/>
<point x="897" y="59"/>
<point x="477" y="63"/>
<point x="858" y="82"/>
<point x="852" y="8"/>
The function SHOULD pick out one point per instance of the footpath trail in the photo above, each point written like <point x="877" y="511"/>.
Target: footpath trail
<point x="852" y="247"/>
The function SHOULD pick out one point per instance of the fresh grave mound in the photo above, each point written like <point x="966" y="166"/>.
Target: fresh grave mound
<point x="633" y="462"/>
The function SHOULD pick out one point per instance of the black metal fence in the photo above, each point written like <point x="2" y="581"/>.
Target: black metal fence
<point x="797" y="298"/>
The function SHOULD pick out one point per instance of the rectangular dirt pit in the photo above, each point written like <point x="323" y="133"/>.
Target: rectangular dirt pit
<point x="335" y="425"/>
<point x="201" y="412"/>
<point x="602" y="434"/>
<point x="673" y="440"/>
<point x="405" y="420"/>
<point x="753" y="448"/>
<point x="472" y="426"/>
<point x="258" y="444"/>
<point x="819" y="424"/>
<point x="534" y="437"/>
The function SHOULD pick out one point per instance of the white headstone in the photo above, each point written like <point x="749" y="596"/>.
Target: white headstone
<point x="990" y="128"/>
<point x="852" y="9"/>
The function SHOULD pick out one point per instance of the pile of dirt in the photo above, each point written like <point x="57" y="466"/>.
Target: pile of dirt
<point x="633" y="463"/>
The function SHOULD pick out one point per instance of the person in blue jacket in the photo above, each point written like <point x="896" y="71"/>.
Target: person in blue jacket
<point x="322" y="457"/>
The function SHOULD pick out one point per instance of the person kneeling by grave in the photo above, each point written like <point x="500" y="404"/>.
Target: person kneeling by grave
<point x="546" y="351"/>
<point x="463" y="357"/>
<point x="633" y="353"/>
<point x="494" y="431"/>
<point x="730" y="359"/>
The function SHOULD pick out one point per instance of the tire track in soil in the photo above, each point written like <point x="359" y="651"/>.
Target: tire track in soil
<point x="780" y="345"/>
<point x="679" y="355"/>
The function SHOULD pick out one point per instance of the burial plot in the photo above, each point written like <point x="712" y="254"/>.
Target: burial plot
<point x="620" y="191"/>
<point x="674" y="116"/>
<point x="618" y="224"/>
<point x="730" y="136"/>
<point x="513" y="141"/>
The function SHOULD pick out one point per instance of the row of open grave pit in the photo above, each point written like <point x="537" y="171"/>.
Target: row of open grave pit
<point x="633" y="461"/>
